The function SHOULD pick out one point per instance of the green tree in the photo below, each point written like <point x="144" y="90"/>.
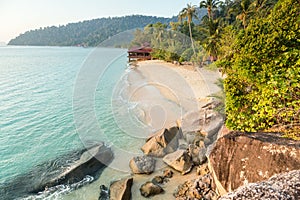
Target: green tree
<point x="211" y="42"/>
<point x="189" y="13"/>
<point x="263" y="75"/>
<point x="210" y="5"/>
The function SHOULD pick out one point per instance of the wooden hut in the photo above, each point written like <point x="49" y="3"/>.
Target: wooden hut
<point x="139" y="53"/>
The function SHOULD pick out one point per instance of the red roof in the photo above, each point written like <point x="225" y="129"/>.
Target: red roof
<point x="140" y="50"/>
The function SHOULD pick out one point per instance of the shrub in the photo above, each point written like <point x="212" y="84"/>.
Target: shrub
<point x="263" y="76"/>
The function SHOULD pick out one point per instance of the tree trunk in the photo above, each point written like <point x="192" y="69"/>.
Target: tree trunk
<point x="191" y="36"/>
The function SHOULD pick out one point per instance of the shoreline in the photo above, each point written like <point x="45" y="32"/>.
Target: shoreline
<point x="163" y="83"/>
<point x="159" y="89"/>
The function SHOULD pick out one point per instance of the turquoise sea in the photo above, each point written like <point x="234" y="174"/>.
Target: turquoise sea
<point x="54" y="101"/>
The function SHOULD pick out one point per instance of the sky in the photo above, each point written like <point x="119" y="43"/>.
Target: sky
<point x="19" y="16"/>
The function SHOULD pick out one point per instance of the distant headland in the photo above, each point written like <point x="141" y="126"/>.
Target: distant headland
<point x="85" y="33"/>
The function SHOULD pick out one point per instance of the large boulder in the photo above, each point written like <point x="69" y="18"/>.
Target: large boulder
<point x="121" y="190"/>
<point x="180" y="160"/>
<point x="150" y="189"/>
<point x="240" y="158"/>
<point x="163" y="142"/>
<point x="202" y="125"/>
<point x="280" y="186"/>
<point x="90" y="163"/>
<point x="142" y="165"/>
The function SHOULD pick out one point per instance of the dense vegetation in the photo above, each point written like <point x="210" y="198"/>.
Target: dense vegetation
<point x="263" y="83"/>
<point x="256" y="43"/>
<point x="86" y="33"/>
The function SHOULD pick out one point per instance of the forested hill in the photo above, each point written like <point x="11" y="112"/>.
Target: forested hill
<point x="86" y="33"/>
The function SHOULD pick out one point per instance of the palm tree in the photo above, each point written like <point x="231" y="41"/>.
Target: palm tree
<point x="210" y="5"/>
<point x="189" y="13"/>
<point x="212" y="29"/>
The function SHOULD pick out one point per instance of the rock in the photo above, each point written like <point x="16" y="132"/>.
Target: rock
<point x="182" y="144"/>
<point x="200" y="188"/>
<point x="194" y="137"/>
<point x="202" y="125"/>
<point x="280" y="186"/>
<point x="202" y="170"/>
<point x="142" y="165"/>
<point x="158" y="180"/>
<point x="197" y="154"/>
<point x="149" y="189"/>
<point x="121" y="190"/>
<point x="168" y="173"/>
<point x="239" y="158"/>
<point x="202" y="156"/>
<point x="205" y="119"/>
<point x="104" y="193"/>
<point x="211" y="195"/>
<point x="179" y="160"/>
<point x="73" y="167"/>
<point x="163" y="142"/>
<point x="90" y="162"/>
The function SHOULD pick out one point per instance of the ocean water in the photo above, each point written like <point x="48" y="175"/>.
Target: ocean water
<point x="54" y="102"/>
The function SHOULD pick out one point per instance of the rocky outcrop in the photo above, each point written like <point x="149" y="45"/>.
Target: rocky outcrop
<point x="121" y="190"/>
<point x="239" y="158"/>
<point x="200" y="188"/>
<point x="202" y="125"/>
<point x="180" y="161"/>
<point x="150" y="189"/>
<point x="163" y="142"/>
<point x="142" y="165"/>
<point x="90" y="163"/>
<point x="281" y="186"/>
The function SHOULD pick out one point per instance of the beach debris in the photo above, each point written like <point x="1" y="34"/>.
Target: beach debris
<point x="162" y="142"/>
<point x="150" y="189"/>
<point x="180" y="160"/>
<point x="121" y="190"/>
<point x="142" y="165"/>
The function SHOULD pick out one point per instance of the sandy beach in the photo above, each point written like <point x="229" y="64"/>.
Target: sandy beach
<point x="162" y="93"/>
<point x="166" y="92"/>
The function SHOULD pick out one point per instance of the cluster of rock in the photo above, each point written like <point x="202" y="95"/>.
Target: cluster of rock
<point x="181" y="150"/>
<point x="200" y="188"/>
<point x="184" y="146"/>
<point x="151" y="188"/>
<point x="234" y="160"/>
<point x="282" y="186"/>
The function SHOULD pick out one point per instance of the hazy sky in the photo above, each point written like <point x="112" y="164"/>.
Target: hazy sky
<point x="18" y="16"/>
